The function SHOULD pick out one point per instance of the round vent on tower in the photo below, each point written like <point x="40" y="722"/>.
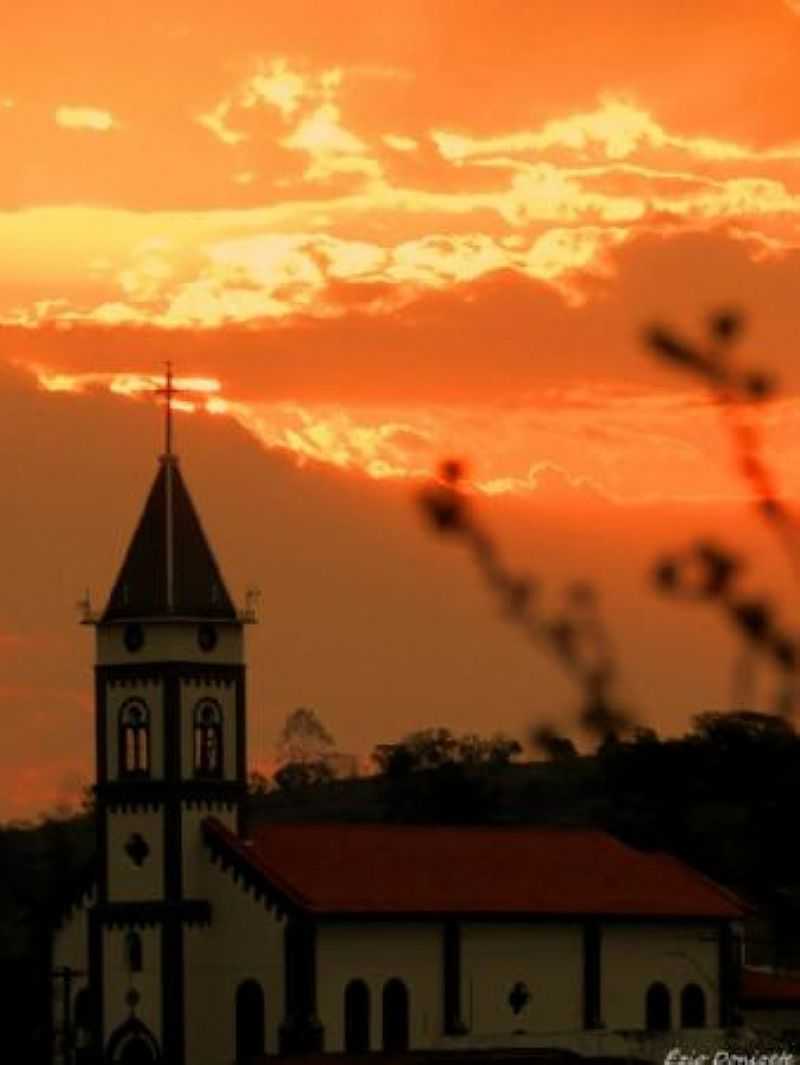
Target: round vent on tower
<point x="207" y="637"/>
<point x="134" y="636"/>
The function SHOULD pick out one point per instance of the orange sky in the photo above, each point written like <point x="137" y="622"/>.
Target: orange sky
<point x="387" y="233"/>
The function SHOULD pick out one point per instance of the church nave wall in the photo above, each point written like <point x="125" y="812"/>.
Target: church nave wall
<point x="636" y="955"/>
<point x="199" y="875"/>
<point x="546" y="958"/>
<point x="244" y="942"/>
<point x="377" y="952"/>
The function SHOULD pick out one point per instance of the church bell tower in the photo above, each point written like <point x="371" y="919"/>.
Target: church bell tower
<point x="171" y="749"/>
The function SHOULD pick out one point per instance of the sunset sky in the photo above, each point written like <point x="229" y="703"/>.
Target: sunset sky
<point x="374" y="235"/>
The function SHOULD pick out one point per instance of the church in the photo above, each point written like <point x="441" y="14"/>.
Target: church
<point x="193" y="944"/>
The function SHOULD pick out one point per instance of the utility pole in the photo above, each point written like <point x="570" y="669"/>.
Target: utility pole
<point x="67" y="974"/>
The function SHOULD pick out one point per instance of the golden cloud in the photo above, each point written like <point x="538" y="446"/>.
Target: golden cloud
<point x="216" y="120"/>
<point x="615" y="130"/>
<point x="621" y="444"/>
<point x="86" y="118"/>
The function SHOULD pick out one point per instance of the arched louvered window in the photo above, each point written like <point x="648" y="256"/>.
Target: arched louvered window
<point x="693" y="1007"/>
<point x="133" y="951"/>
<point x="134" y="739"/>
<point x="658" y="1008"/>
<point x="207" y="739"/>
<point x="395" y="1016"/>
<point x="356" y="1017"/>
<point x="249" y="1020"/>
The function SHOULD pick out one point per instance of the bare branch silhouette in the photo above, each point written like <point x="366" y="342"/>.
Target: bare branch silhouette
<point x="738" y="393"/>
<point x="577" y="635"/>
<point x="707" y="571"/>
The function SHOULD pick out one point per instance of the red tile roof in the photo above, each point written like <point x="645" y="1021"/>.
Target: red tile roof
<point x="762" y="988"/>
<point x="393" y="870"/>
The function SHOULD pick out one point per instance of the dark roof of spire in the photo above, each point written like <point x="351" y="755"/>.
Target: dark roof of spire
<point x="197" y="585"/>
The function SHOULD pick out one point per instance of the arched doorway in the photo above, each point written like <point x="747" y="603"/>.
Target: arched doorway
<point x="658" y="1008"/>
<point x="356" y="1017"/>
<point x="133" y="1044"/>
<point x="693" y="1007"/>
<point x="136" y="1052"/>
<point x="395" y="1016"/>
<point x="249" y="1020"/>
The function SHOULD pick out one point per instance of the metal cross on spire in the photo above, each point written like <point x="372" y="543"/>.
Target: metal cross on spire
<point x="169" y="391"/>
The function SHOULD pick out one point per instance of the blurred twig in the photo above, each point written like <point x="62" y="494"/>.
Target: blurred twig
<point x="738" y="394"/>
<point x="707" y="571"/>
<point x="576" y="635"/>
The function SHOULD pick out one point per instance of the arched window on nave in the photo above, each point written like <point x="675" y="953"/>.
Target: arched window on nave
<point x="658" y="1008"/>
<point x="395" y="1016"/>
<point x="249" y="1020"/>
<point x="356" y="1017"/>
<point x="693" y="1007"/>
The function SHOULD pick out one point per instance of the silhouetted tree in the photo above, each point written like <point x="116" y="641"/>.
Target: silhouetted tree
<point x="303" y="738"/>
<point x="434" y="775"/>
<point x="295" y="776"/>
<point x="258" y="784"/>
<point x="433" y="748"/>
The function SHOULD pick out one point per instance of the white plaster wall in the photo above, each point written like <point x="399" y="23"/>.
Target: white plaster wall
<point x="170" y="641"/>
<point x="127" y="881"/>
<point x="71" y="940"/>
<point x="152" y="695"/>
<point x="376" y="952"/>
<point x="636" y="955"/>
<point x="118" y="980"/>
<point x="196" y="861"/>
<point x="225" y="696"/>
<point x="70" y="948"/>
<point x="548" y="958"/>
<point x="245" y="941"/>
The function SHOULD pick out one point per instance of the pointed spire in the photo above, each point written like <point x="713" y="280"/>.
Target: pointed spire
<point x="169" y="569"/>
